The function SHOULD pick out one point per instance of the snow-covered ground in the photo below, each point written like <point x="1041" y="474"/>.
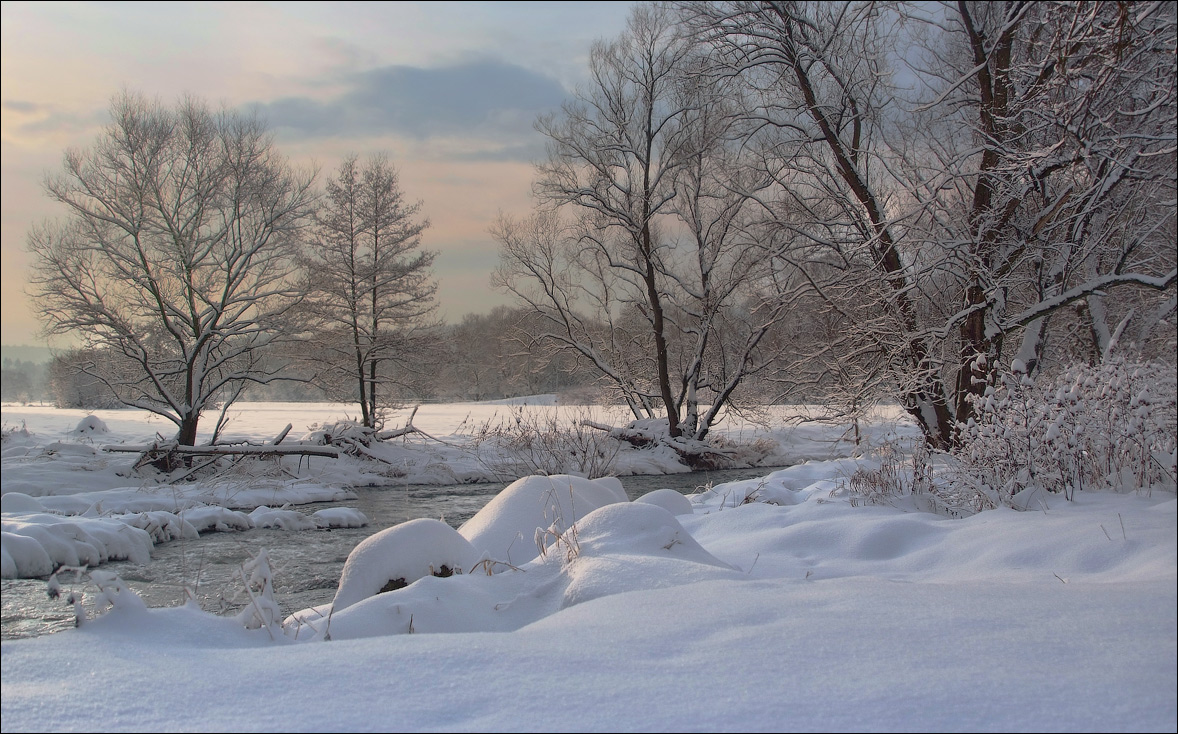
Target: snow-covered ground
<point x="782" y="603"/>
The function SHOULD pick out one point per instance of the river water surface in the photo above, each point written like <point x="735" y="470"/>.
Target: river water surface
<point x="306" y="564"/>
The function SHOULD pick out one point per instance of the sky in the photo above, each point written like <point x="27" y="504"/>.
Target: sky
<point x="450" y="91"/>
<point x="781" y="603"/>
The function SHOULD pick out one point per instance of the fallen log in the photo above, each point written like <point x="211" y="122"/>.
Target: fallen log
<point x="263" y="450"/>
<point x="169" y="455"/>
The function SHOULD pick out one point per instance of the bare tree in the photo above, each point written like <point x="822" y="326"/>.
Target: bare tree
<point x="1032" y="168"/>
<point x="370" y="287"/>
<point x="640" y="255"/>
<point x="175" y="257"/>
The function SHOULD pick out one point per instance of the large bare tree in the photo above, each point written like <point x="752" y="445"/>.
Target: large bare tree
<point x="175" y="256"/>
<point x="370" y="287"/>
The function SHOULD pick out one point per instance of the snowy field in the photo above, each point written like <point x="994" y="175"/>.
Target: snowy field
<point x="785" y="603"/>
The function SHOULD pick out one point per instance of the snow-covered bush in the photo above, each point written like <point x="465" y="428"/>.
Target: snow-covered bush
<point x="905" y="468"/>
<point x="544" y="442"/>
<point x="890" y="470"/>
<point x="263" y="609"/>
<point x="347" y="433"/>
<point x="106" y="592"/>
<point x="1109" y="426"/>
<point x="8" y="433"/>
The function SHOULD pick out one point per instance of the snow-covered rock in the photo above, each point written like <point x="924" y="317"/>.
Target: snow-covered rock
<point x="403" y="553"/>
<point x="265" y="517"/>
<point x="90" y="425"/>
<point x="219" y="519"/>
<point x="161" y="525"/>
<point x="339" y="517"/>
<point x="35" y="545"/>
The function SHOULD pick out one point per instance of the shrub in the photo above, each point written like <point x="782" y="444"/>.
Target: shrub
<point x="1108" y="426"/>
<point x="543" y="442"/>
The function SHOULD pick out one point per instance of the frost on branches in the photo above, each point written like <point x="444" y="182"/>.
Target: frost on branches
<point x="1109" y="426"/>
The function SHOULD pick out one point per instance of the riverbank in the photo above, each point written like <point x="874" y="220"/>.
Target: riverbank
<point x="69" y="501"/>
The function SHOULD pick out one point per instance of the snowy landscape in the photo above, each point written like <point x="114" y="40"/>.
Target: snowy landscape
<point x="788" y="602"/>
<point x="646" y="366"/>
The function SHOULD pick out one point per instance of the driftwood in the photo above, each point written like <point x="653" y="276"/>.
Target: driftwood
<point x="278" y="439"/>
<point x="245" y="450"/>
<point x="697" y="455"/>
<point x="167" y="456"/>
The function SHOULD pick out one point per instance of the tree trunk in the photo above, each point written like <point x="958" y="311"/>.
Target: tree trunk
<point x="186" y="436"/>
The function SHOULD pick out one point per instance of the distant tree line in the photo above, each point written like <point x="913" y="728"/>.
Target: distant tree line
<point x="22" y="381"/>
<point x="482" y="357"/>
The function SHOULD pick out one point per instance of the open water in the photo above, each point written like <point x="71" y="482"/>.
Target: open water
<point x="306" y="564"/>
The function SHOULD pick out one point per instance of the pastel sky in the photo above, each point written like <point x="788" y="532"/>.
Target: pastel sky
<point x="449" y="90"/>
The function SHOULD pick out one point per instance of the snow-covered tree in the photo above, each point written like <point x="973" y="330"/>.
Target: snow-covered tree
<point x="370" y="292"/>
<point x="1062" y="186"/>
<point x="175" y="256"/>
<point x="1023" y="164"/>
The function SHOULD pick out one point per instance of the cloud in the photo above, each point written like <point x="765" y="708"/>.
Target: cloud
<point x="487" y="100"/>
<point x="21" y="106"/>
<point x="37" y="119"/>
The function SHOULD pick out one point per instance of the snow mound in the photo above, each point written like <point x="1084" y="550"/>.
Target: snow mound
<point x="638" y="529"/>
<point x="265" y="517"/>
<point x="401" y="555"/>
<point x="16" y="502"/>
<point x="89" y="426"/>
<point x="506" y="528"/>
<point x="36" y="545"/>
<point x="614" y="484"/>
<point x="628" y="547"/>
<point x="66" y="449"/>
<point x="161" y="525"/>
<point x="789" y="486"/>
<point x="218" y="519"/>
<point x="668" y="499"/>
<point x="339" y="517"/>
<point x="618" y="548"/>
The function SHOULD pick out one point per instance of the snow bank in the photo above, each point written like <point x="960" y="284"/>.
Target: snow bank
<point x="617" y="548"/>
<point x="36" y="544"/>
